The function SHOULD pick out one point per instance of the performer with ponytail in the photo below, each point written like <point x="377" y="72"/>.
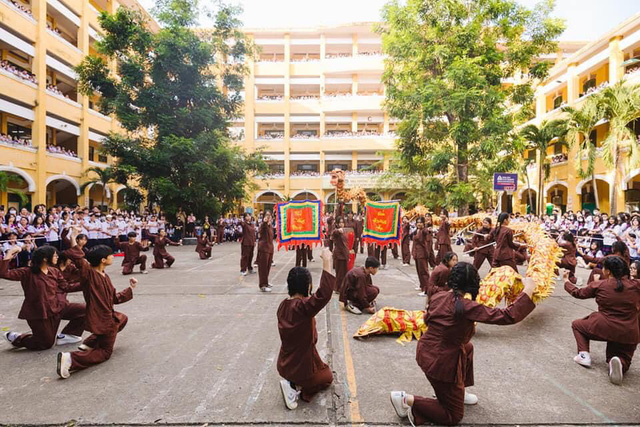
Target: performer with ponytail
<point x="616" y="321"/>
<point x="445" y="353"/>
<point x="440" y="275"/>
<point x="299" y="364"/>
<point x="505" y="246"/>
<point x="443" y="240"/>
<point x="340" y="252"/>
<point x="481" y="239"/>
<point x="569" y="261"/>
<point x="406" y="242"/>
<point x="618" y="248"/>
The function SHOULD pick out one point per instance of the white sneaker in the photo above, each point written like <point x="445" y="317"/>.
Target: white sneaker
<point x="385" y="266"/>
<point x="64" y="364"/>
<point x="351" y="309"/>
<point x="583" y="358"/>
<point x="244" y="273"/>
<point x="269" y="285"/>
<point x="313" y="260"/>
<point x="252" y="271"/>
<point x="422" y="294"/>
<point x="265" y="289"/>
<point x="405" y="265"/>
<point x="289" y="394"/>
<point x="11" y="336"/>
<point x="144" y="272"/>
<point x="470" y="399"/>
<point x="399" y="402"/>
<point x="63" y="339"/>
<point x="418" y="288"/>
<point x="84" y="347"/>
<point x="615" y="371"/>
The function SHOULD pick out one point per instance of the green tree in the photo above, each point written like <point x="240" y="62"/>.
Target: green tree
<point x="6" y="179"/>
<point x="580" y="124"/>
<point x="444" y="76"/>
<point x="177" y="91"/>
<point x="620" y="106"/>
<point x="539" y="138"/>
<point x="101" y="176"/>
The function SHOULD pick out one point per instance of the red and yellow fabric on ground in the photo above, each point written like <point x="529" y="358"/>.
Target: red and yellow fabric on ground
<point x="500" y="283"/>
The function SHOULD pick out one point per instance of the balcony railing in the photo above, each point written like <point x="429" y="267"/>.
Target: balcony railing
<point x="13" y="142"/>
<point x="361" y="134"/>
<point x="57" y="34"/>
<point x="14" y="72"/>
<point x="594" y="90"/>
<point x="20" y="8"/>
<point x="300" y="136"/>
<point x="270" y="137"/>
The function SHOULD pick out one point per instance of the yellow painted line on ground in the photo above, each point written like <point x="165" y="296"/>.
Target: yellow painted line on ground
<point x="354" y="406"/>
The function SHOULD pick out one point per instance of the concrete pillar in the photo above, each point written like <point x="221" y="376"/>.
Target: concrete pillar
<point x="616" y="58"/>
<point x="354" y="122"/>
<point x="83" y="43"/>
<point x="39" y="128"/>
<point x="385" y="126"/>
<point x="249" y="105"/>
<point x="354" y="160"/>
<point x="322" y="164"/>
<point x="287" y="114"/>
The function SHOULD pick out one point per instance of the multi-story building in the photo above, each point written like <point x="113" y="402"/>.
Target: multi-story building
<point x="608" y="60"/>
<point x="49" y="133"/>
<point x="313" y="103"/>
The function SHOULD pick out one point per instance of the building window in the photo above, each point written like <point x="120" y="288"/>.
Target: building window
<point x="308" y="133"/>
<point x="531" y="155"/>
<point x="18" y="131"/>
<point x="340" y="166"/>
<point x="593" y="137"/>
<point x="590" y="83"/>
<point x="278" y="168"/>
<point x="557" y="148"/>
<point x="102" y="158"/>
<point x="307" y="168"/>
<point x="92" y="152"/>
<point x="557" y="101"/>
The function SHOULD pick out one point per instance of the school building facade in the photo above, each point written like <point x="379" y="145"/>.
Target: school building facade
<point x="49" y="133"/>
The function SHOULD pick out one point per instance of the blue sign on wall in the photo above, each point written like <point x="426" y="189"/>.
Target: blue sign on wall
<point x="505" y="181"/>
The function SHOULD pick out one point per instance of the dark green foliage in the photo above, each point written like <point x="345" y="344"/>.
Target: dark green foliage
<point x="170" y="99"/>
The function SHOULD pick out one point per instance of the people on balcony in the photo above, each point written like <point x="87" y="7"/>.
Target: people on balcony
<point x="14" y="140"/>
<point x="21" y="7"/>
<point x="18" y="72"/>
<point x="55" y="149"/>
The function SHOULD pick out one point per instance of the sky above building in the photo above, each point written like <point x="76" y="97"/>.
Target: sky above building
<point x="585" y="19"/>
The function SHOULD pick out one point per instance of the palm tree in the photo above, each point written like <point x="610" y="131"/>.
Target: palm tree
<point x="539" y="138"/>
<point x="102" y="176"/>
<point x="620" y="105"/>
<point x="6" y="179"/>
<point x="580" y="124"/>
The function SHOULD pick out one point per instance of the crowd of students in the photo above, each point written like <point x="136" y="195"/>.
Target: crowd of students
<point x="18" y="72"/>
<point x="73" y="246"/>
<point x="14" y="140"/>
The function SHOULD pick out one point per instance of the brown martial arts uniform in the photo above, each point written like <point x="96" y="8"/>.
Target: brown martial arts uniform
<point x="302" y="255"/>
<point x="616" y="320"/>
<point x="203" y="247"/>
<point x="265" y="253"/>
<point x="101" y="319"/>
<point x="340" y="257"/>
<point x="160" y="253"/>
<point x="599" y="261"/>
<point x="394" y="250"/>
<point x="569" y="260"/>
<point x="220" y="232"/>
<point x="443" y="240"/>
<point x="505" y="248"/>
<point x="423" y="255"/>
<point x="479" y="255"/>
<point x="45" y="305"/>
<point x="247" y="247"/>
<point x="132" y="256"/>
<point x="330" y="222"/>
<point x="360" y="231"/>
<point x="380" y="254"/>
<point x="445" y="352"/>
<point x="359" y="289"/>
<point x="406" y="243"/>
<point x="299" y="361"/>
<point x="438" y="280"/>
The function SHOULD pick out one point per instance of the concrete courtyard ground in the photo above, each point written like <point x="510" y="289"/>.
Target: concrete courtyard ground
<point x="201" y="347"/>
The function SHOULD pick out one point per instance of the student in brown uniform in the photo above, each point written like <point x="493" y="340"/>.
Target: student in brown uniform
<point x="406" y="242"/>
<point x="330" y="226"/>
<point x="160" y="253"/>
<point x="358" y="292"/>
<point x="440" y="274"/>
<point x="132" y="256"/>
<point x="301" y="255"/>
<point x="299" y="364"/>
<point x="617" y="249"/>
<point x="615" y="322"/>
<point x="203" y="246"/>
<point x="101" y="319"/>
<point x="265" y="252"/>
<point x="247" y="245"/>
<point x="443" y="240"/>
<point x="569" y="261"/>
<point x="445" y="353"/>
<point x="340" y="252"/>
<point x="380" y="253"/>
<point x="505" y="246"/>
<point x="360" y="226"/>
<point x="483" y="237"/>
<point x="43" y="307"/>
<point x="423" y="252"/>
<point x="220" y="231"/>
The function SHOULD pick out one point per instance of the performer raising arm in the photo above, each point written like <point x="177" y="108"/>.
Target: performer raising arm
<point x="299" y="364"/>
<point x="445" y="353"/>
<point x="160" y="252"/>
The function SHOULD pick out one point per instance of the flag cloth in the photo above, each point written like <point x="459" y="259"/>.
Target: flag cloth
<point x="298" y="223"/>
<point x="382" y="223"/>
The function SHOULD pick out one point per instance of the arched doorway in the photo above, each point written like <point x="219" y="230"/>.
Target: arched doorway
<point x="585" y="190"/>
<point x="399" y="196"/>
<point x="62" y="190"/>
<point x="632" y="191"/>
<point x="528" y="200"/>
<point x="556" y="195"/>
<point x="305" y="195"/>
<point x="506" y="202"/>
<point x="99" y="196"/>
<point x="19" y="186"/>
<point x="266" y="200"/>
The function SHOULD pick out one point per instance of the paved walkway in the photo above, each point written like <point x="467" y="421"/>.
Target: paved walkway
<point x="201" y="345"/>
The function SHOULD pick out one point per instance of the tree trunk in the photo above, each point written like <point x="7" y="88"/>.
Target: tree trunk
<point x="540" y="189"/>
<point x="104" y="191"/>
<point x="529" y="192"/>
<point x="463" y="173"/>
<point x="614" y="187"/>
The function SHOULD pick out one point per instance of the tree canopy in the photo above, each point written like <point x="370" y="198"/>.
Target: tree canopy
<point x="449" y="80"/>
<point x="175" y="92"/>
